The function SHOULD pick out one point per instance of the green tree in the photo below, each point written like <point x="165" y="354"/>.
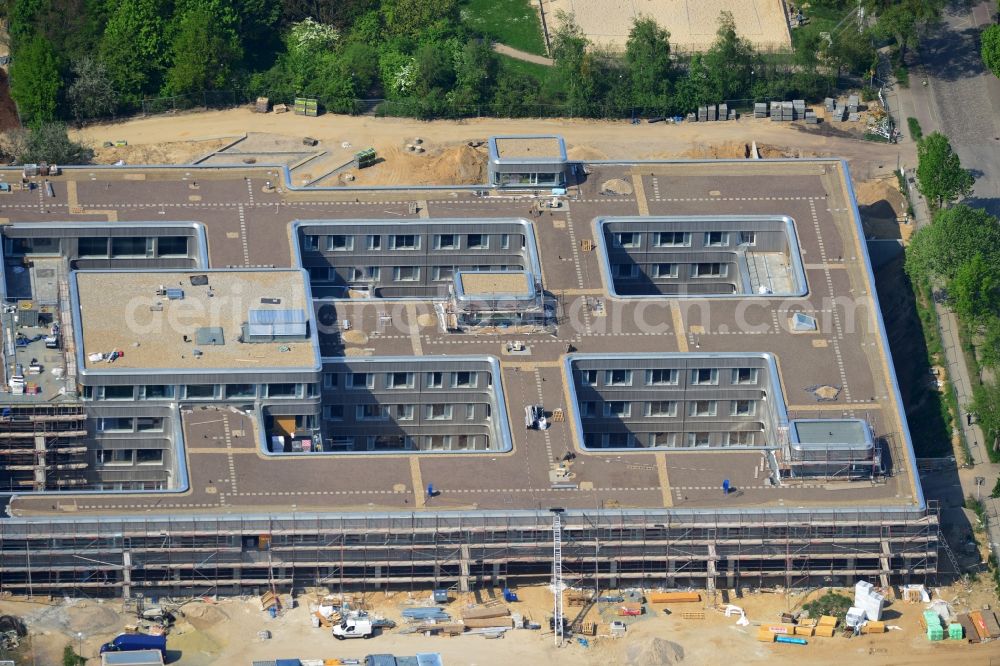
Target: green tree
<point x="975" y="289"/>
<point x="647" y="56"/>
<point x="989" y="350"/>
<point x="416" y="18"/>
<point x="575" y="69"/>
<point x="986" y="406"/>
<point x="515" y="95"/>
<point x="35" y="81"/>
<point x="475" y="68"/>
<point x="903" y="20"/>
<point x="955" y="237"/>
<point x="91" y="95"/>
<point x="205" y="49"/>
<point x="729" y="61"/>
<point x="46" y="142"/>
<point x="990" y="48"/>
<point x="940" y="176"/>
<point x="133" y="48"/>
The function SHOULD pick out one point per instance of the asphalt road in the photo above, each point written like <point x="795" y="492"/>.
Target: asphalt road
<point x="962" y="100"/>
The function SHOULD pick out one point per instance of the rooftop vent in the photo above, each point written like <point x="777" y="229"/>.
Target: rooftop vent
<point x="802" y="323"/>
<point x="265" y="325"/>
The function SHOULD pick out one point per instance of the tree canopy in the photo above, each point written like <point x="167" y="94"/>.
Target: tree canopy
<point x="940" y="176"/>
<point x="990" y="48"/>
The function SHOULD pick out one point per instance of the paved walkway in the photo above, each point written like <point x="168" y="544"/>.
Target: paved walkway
<point x="517" y="54"/>
<point x="961" y="100"/>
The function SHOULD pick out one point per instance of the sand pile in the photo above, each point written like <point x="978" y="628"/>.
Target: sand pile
<point x="654" y="652"/>
<point x="204" y="616"/>
<point x="617" y="186"/>
<point x="584" y="153"/>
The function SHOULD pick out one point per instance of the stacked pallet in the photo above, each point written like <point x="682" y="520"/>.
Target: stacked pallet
<point x="674" y="597"/>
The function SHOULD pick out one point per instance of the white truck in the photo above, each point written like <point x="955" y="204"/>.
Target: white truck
<point x="354" y="627"/>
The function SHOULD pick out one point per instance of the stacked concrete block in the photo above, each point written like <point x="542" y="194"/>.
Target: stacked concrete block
<point x="760" y="110"/>
<point x="799" y="109"/>
<point x="787" y="112"/>
<point x="723" y="112"/>
<point x="776" y="111"/>
<point x="702" y="114"/>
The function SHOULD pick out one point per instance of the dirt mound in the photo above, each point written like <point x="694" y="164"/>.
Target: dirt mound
<point x="617" y="186"/>
<point x="457" y="165"/>
<point x="91" y="618"/>
<point x="654" y="652"/>
<point x="175" y="152"/>
<point x="584" y="153"/>
<point x="204" y="616"/>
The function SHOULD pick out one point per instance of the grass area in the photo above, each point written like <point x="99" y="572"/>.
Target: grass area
<point x="830" y="603"/>
<point x="511" y="22"/>
<point x="821" y="19"/>
<point x="538" y="72"/>
<point x="916" y="133"/>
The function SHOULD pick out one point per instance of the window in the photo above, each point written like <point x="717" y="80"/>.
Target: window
<point x="283" y="390"/>
<point x="372" y="273"/>
<point x="199" y="391"/>
<point x="703" y="408"/>
<point x="443" y="273"/>
<point x="744" y="375"/>
<point x="439" y="412"/>
<point x="129" y="247"/>
<point x="618" y="377"/>
<point x="22" y="246"/>
<point x="319" y="273"/>
<point x="360" y="380"/>
<point x="172" y="246"/>
<point x="114" y="424"/>
<point x="743" y="408"/>
<point x="149" y="456"/>
<point x="661" y="408"/>
<point x="339" y="243"/>
<point x="619" y="440"/>
<point x="435" y="379"/>
<point x="330" y="380"/>
<point x="477" y="241"/>
<point x="333" y="412"/>
<point x="699" y="439"/>
<point x="705" y="376"/>
<point x="665" y="270"/>
<point x="661" y="377"/>
<point x="748" y="237"/>
<point x="374" y="242"/>
<point x="672" y="239"/>
<point x="617" y="408"/>
<point x="399" y="380"/>
<point x="740" y="438"/>
<point x="710" y="269"/>
<point x="149" y="424"/>
<point x="625" y="271"/>
<point x="588" y="377"/>
<point x="403" y="412"/>
<point x="406" y="273"/>
<point x="403" y="242"/>
<point x="470" y="412"/>
<point x="118" y="392"/>
<point x="587" y="410"/>
<point x="663" y="439"/>
<point x="156" y="392"/>
<point x="372" y="412"/>
<point x="626" y="239"/>
<point x="504" y="241"/>
<point x="241" y="391"/>
<point x="114" y="457"/>
<point x="463" y="380"/>
<point x="92" y="247"/>
<point x="446" y="242"/>
<point x="716" y="239"/>
<point x="311" y="242"/>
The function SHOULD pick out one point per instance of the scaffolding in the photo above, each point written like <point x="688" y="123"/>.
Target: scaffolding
<point x="42" y="446"/>
<point x="469" y="550"/>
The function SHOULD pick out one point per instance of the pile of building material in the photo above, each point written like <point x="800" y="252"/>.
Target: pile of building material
<point x="837" y="112"/>
<point x="786" y="111"/>
<point x="978" y="626"/>
<point x="674" y="597"/>
<point x="711" y="113"/>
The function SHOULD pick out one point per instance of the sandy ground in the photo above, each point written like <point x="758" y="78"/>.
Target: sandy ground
<point x="586" y="139"/>
<point x="692" y="23"/>
<point x="226" y="632"/>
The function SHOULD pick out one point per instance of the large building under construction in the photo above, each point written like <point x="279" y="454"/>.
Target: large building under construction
<point x="215" y="381"/>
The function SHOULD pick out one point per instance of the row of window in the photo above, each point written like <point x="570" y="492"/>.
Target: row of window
<point x="345" y="242"/>
<point x="406" y="442"/>
<point x="130" y="424"/>
<point x="627" y="440"/>
<point x="633" y="239"/>
<point x="103" y="247"/>
<point x="109" y="457"/>
<point x="197" y="391"/>
<point x="399" y="273"/>
<point x="665" y="408"/>
<point x="705" y="269"/>
<point x="404" y="412"/>
<point x="462" y="379"/>
<point x="669" y="376"/>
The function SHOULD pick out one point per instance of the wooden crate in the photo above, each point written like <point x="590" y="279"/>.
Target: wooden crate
<point x="693" y="615"/>
<point x="804" y="631"/>
<point x="873" y="628"/>
<point x="765" y="636"/>
<point x="825" y="632"/>
<point x="827" y="621"/>
<point x="674" y="597"/>
<point x="586" y="245"/>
